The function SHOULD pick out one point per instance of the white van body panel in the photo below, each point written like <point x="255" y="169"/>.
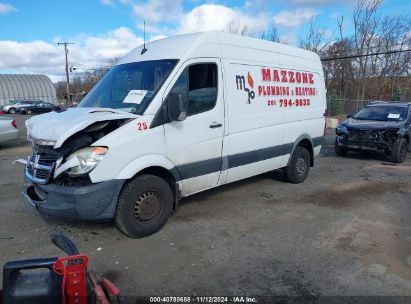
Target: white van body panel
<point x="257" y="133"/>
<point x="254" y="138"/>
<point x="129" y="146"/>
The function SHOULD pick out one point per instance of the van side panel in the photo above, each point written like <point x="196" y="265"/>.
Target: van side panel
<point x="271" y="104"/>
<point x="254" y="140"/>
<point x="308" y="120"/>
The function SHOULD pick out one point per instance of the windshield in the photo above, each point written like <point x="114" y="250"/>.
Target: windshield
<point x="129" y="87"/>
<point x="383" y="113"/>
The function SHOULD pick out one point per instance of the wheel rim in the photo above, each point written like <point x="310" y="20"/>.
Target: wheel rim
<point x="28" y="112"/>
<point x="148" y="206"/>
<point x="12" y="111"/>
<point x="301" y="166"/>
<point x="403" y="150"/>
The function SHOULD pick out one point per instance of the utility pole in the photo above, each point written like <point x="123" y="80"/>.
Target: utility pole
<point x="67" y="69"/>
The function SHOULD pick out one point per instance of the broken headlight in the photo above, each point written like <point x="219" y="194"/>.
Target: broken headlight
<point x="88" y="159"/>
<point x="341" y="129"/>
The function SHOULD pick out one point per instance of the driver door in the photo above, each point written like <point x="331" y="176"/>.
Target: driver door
<point x="194" y="144"/>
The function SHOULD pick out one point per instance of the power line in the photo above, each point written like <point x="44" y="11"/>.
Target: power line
<point x="365" y="55"/>
<point x="387" y="48"/>
<point x="67" y="68"/>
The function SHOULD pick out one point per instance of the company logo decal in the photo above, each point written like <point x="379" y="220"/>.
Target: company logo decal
<point x="280" y="87"/>
<point x="240" y="82"/>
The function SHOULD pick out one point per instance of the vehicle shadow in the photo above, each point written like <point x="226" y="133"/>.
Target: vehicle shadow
<point x="65" y="225"/>
<point x="276" y="175"/>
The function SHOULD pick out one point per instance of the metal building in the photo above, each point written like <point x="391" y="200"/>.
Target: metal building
<point x="26" y="87"/>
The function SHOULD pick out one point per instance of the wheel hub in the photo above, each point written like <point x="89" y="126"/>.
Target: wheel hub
<point x="300" y="166"/>
<point x="147" y="206"/>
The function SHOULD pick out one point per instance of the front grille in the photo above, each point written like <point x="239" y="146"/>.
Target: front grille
<point x="363" y="135"/>
<point x="40" y="165"/>
<point x="357" y="135"/>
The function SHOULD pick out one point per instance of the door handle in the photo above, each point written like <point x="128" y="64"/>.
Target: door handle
<point x="215" y="125"/>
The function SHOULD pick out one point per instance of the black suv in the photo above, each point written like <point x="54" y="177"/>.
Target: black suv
<point x="380" y="126"/>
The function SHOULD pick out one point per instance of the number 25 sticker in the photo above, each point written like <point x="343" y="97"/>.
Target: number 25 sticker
<point x="142" y="126"/>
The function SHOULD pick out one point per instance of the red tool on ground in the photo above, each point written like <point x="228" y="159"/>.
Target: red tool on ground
<point x="63" y="280"/>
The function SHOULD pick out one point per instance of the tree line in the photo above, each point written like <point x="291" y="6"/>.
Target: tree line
<point x="360" y="75"/>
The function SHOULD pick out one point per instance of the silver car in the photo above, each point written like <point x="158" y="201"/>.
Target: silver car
<point x="8" y="129"/>
<point x="12" y="108"/>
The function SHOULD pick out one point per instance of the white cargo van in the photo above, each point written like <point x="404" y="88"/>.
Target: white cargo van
<point x="173" y="118"/>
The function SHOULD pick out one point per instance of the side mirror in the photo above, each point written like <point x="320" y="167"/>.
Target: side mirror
<point x="349" y="115"/>
<point x="176" y="107"/>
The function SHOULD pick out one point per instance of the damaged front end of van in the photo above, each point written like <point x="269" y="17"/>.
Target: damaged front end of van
<point x="57" y="180"/>
<point x="78" y="154"/>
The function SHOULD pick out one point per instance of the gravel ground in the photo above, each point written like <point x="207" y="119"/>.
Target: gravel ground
<point x="345" y="231"/>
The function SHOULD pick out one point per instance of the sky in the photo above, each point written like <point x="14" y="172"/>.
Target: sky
<point x="105" y="29"/>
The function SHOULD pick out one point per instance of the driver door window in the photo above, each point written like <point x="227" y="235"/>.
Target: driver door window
<point x="198" y="86"/>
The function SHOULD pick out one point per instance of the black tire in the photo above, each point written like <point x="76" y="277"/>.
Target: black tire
<point x="339" y="150"/>
<point x="12" y="111"/>
<point x="156" y="195"/>
<point x="298" y="167"/>
<point x="399" y="150"/>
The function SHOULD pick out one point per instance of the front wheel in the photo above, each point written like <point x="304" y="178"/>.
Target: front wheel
<point x="340" y="151"/>
<point x="12" y="111"/>
<point x="28" y="112"/>
<point x="298" y="167"/>
<point x="144" y="205"/>
<point x="399" y="150"/>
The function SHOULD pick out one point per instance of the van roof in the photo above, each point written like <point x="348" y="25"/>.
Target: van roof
<point x="214" y="44"/>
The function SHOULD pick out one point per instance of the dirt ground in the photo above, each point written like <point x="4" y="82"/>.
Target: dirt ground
<point x="345" y="231"/>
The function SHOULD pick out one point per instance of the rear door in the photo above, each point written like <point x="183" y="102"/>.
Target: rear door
<point x="194" y="145"/>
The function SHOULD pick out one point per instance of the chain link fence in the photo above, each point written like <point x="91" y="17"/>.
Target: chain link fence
<point x="338" y="107"/>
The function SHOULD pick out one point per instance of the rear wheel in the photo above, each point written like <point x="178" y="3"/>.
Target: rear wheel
<point x="299" y="166"/>
<point x="28" y="112"/>
<point x="12" y="111"/>
<point x="144" y="205"/>
<point x="399" y="150"/>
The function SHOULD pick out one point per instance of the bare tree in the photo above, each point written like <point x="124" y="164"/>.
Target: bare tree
<point x="391" y="68"/>
<point x="365" y="20"/>
<point x="113" y="61"/>
<point x="236" y="28"/>
<point x="315" y="40"/>
<point x="271" y="34"/>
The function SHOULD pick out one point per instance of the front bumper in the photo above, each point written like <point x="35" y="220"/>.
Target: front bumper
<point x="362" y="145"/>
<point x="91" y="202"/>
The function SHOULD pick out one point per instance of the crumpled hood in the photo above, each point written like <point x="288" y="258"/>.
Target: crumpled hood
<point x="57" y="127"/>
<point x="372" y="124"/>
